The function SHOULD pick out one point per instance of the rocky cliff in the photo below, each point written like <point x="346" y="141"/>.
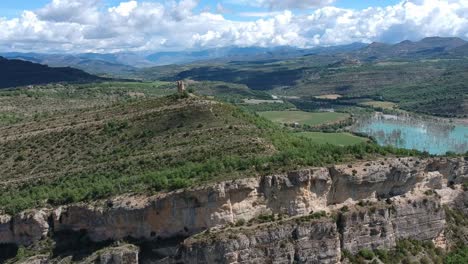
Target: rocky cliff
<point x="395" y="191"/>
<point x="313" y="241"/>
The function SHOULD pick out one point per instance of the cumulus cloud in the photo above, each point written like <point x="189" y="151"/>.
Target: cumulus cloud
<point x="175" y="25"/>
<point x="79" y="11"/>
<point x="293" y="4"/>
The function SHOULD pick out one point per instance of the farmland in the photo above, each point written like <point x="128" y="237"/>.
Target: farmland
<point x="339" y="139"/>
<point x="304" y="118"/>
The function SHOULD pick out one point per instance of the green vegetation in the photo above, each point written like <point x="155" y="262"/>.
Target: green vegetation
<point x="437" y="85"/>
<point x="458" y="256"/>
<point x="146" y="144"/>
<point x="339" y="139"/>
<point x="304" y="118"/>
<point x="380" y="104"/>
<point x="406" y="251"/>
<point x="410" y="251"/>
<point x="263" y="107"/>
<point x="15" y="73"/>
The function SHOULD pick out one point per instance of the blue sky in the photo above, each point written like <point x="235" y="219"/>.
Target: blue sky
<point x="14" y="8"/>
<point x="72" y="26"/>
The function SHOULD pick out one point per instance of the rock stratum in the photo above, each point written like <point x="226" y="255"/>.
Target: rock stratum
<point x="314" y="215"/>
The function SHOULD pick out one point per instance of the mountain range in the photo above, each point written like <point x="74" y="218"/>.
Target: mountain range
<point x="427" y="47"/>
<point x="19" y="73"/>
<point x="126" y="63"/>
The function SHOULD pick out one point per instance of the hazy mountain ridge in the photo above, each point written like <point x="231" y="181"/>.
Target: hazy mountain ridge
<point x="19" y="73"/>
<point x="127" y="62"/>
<point x="90" y="64"/>
<point x="427" y="47"/>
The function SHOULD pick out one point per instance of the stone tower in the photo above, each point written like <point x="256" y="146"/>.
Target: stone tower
<point x="180" y="87"/>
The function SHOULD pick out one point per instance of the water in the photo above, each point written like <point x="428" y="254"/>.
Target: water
<point x="436" y="136"/>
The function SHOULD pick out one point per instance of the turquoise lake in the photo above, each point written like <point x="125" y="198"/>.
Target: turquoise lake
<point x="436" y="136"/>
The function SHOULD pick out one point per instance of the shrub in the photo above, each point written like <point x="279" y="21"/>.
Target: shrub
<point x="240" y="222"/>
<point x="366" y="253"/>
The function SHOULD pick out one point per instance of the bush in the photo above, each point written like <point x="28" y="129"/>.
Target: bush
<point x="458" y="256"/>
<point x="367" y="254"/>
<point x="240" y="222"/>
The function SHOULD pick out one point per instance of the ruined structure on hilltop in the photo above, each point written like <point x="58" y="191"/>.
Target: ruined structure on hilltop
<point x="180" y="86"/>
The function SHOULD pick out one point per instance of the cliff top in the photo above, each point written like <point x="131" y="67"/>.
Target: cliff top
<point x="146" y="146"/>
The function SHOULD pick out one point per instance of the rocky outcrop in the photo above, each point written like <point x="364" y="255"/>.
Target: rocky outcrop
<point x="386" y="178"/>
<point x="127" y="254"/>
<point x="183" y="213"/>
<point x="24" y="228"/>
<point x="381" y="225"/>
<point x="286" y="242"/>
<point x="302" y="240"/>
<point x="187" y="212"/>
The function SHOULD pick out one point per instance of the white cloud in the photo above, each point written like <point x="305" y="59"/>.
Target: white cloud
<point x="284" y="4"/>
<point x="79" y="11"/>
<point x="293" y="4"/>
<point x="259" y="14"/>
<point x="125" y="8"/>
<point x="140" y="25"/>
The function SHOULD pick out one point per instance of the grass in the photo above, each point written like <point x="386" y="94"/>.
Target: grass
<point x="145" y="145"/>
<point x="329" y="96"/>
<point x="437" y="86"/>
<point x="381" y="104"/>
<point x="339" y="139"/>
<point x="406" y="251"/>
<point x="304" y="118"/>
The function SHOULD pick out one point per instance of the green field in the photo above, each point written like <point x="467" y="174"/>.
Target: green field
<point x="339" y="139"/>
<point x="304" y="118"/>
<point x="380" y="104"/>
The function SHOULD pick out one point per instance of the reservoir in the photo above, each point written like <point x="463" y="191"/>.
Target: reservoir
<point x="436" y="136"/>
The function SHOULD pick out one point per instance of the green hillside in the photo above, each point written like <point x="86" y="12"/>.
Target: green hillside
<point x="20" y="73"/>
<point x="145" y="144"/>
<point x="439" y="84"/>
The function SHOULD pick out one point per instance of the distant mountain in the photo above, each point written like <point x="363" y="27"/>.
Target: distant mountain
<point x="19" y="73"/>
<point x="245" y="54"/>
<point x="461" y="51"/>
<point x="91" y="63"/>
<point x="427" y="47"/>
<point x="124" y="64"/>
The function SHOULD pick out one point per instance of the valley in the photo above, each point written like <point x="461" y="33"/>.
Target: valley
<point x="334" y="155"/>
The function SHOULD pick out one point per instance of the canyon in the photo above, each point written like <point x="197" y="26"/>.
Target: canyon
<point x="315" y="214"/>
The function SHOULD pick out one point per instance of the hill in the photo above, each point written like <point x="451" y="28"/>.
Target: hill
<point x="425" y="48"/>
<point x="434" y="67"/>
<point x="144" y="145"/>
<point x="90" y="63"/>
<point x="460" y="51"/>
<point x="20" y="73"/>
<point x="245" y="54"/>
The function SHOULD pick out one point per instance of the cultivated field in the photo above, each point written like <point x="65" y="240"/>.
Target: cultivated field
<point x="381" y="104"/>
<point x="304" y="118"/>
<point x="339" y="139"/>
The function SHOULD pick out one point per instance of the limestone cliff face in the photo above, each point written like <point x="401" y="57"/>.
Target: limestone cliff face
<point x="382" y="225"/>
<point x="24" y="228"/>
<point x="287" y="242"/>
<point x="391" y="177"/>
<point x="187" y="212"/>
<point x="301" y="240"/>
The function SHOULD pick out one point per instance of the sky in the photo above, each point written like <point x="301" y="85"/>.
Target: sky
<point x="105" y="26"/>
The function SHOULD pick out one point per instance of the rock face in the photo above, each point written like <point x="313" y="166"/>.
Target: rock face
<point x="382" y="225"/>
<point x="120" y="255"/>
<point x="24" y="228"/>
<point x="407" y="212"/>
<point x="385" y="178"/>
<point x="186" y="212"/>
<point x="289" y="242"/>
